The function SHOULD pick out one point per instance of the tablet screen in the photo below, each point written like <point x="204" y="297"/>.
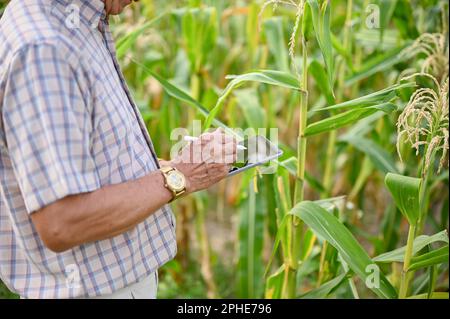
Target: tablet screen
<point x="259" y="150"/>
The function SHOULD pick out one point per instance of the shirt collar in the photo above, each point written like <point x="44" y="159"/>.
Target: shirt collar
<point x="90" y="10"/>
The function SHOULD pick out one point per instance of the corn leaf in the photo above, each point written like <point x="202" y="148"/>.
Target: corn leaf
<point x="251" y="239"/>
<point x="420" y="242"/>
<point x="199" y="30"/>
<point x="177" y="93"/>
<point x="407" y="27"/>
<point x="362" y="127"/>
<point x="125" y="43"/>
<point x="274" y="284"/>
<point x="275" y="40"/>
<point x="271" y="199"/>
<point x="377" y="64"/>
<point x="379" y="157"/>
<point x="331" y="204"/>
<point x="329" y="228"/>
<point x="290" y="165"/>
<point x="343" y="119"/>
<point x="432" y="278"/>
<point x="321" y="17"/>
<point x="379" y="97"/>
<point x="434" y="257"/>
<point x="252" y="28"/>
<point x="307" y="244"/>
<point x="254" y="113"/>
<point x="278" y="239"/>
<point x="387" y="8"/>
<point x="320" y="77"/>
<point x="326" y="289"/>
<point x="276" y="78"/>
<point x="435" y="295"/>
<point x="337" y="45"/>
<point x="406" y="193"/>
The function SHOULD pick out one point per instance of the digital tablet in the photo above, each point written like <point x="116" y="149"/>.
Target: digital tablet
<point x="259" y="151"/>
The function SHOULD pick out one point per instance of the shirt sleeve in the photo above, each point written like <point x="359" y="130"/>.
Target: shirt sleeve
<point x="47" y="125"/>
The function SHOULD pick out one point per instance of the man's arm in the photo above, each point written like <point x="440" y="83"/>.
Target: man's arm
<point x="113" y="210"/>
<point x="101" y="214"/>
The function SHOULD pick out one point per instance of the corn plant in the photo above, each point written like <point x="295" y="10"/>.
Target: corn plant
<point x="299" y="226"/>
<point x="358" y="204"/>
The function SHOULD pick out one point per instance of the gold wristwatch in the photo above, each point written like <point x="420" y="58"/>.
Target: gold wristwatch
<point x="174" y="181"/>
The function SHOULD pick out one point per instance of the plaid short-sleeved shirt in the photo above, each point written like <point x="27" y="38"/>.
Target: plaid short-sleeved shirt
<point x="68" y="126"/>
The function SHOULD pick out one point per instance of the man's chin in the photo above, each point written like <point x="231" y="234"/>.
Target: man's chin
<point x="115" y="12"/>
<point x="116" y="6"/>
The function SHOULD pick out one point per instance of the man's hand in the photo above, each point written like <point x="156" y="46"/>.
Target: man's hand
<point x="207" y="160"/>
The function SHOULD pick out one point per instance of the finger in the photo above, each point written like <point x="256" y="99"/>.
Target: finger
<point x="197" y="152"/>
<point x="228" y="139"/>
<point x="206" y="138"/>
<point x="220" y="136"/>
<point x="233" y="144"/>
<point x="230" y="159"/>
<point x="207" y="152"/>
<point x="217" y="152"/>
<point x="216" y="142"/>
<point x="228" y="149"/>
<point x="223" y="153"/>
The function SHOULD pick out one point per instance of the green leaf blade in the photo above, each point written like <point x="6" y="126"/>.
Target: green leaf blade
<point x="406" y="193"/>
<point x="333" y="231"/>
<point x="321" y="19"/>
<point x="326" y="289"/>
<point x="277" y="78"/>
<point x="346" y="118"/>
<point x="379" y="97"/>
<point x="420" y="242"/>
<point x="434" y="257"/>
<point x="379" y="157"/>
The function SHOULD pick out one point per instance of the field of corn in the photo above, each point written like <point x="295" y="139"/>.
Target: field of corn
<point x="358" y="90"/>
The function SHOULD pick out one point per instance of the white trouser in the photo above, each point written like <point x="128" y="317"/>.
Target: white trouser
<point x="144" y="289"/>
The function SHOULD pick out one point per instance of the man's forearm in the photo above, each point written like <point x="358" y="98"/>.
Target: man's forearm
<point x="102" y="214"/>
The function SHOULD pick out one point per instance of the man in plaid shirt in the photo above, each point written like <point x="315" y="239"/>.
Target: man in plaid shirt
<point x="83" y="198"/>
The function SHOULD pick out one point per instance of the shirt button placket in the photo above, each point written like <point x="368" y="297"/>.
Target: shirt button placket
<point x="104" y="29"/>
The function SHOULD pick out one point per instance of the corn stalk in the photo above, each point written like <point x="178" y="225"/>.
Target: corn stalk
<point x="295" y="226"/>
<point x="406" y="277"/>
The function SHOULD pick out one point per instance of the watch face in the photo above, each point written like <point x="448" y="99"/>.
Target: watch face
<point x="176" y="181"/>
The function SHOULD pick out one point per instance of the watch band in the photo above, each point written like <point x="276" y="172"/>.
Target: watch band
<point x="167" y="169"/>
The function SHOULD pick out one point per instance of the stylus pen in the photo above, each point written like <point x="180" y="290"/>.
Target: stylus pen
<point x="188" y="138"/>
